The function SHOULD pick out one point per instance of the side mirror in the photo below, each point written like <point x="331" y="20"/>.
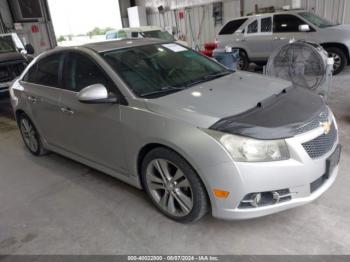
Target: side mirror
<point x="304" y="28"/>
<point x="96" y="94"/>
<point x="30" y="49"/>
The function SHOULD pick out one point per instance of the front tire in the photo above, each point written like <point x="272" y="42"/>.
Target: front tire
<point x="340" y="59"/>
<point x="173" y="186"/>
<point x="30" y="136"/>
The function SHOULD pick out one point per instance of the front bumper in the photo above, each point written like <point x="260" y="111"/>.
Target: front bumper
<point x="296" y="174"/>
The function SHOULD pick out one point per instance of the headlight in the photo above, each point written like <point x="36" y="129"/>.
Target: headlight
<point x="245" y="149"/>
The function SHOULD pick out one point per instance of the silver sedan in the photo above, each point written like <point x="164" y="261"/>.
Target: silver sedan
<point x="194" y="135"/>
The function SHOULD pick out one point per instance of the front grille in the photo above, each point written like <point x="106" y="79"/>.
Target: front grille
<point x="10" y="72"/>
<point x="321" y="145"/>
<point x="315" y="123"/>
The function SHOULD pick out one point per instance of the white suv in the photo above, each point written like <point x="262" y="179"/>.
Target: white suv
<point x="257" y="36"/>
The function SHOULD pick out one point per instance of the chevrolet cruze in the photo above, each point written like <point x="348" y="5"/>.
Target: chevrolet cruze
<point x="194" y="135"/>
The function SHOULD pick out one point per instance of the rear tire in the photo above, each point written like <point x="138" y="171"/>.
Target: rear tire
<point x="173" y="186"/>
<point x="30" y="136"/>
<point x="340" y="59"/>
<point x="243" y="61"/>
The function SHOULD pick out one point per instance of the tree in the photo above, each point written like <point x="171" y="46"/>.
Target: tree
<point x="99" y="31"/>
<point x="61" y="38"/>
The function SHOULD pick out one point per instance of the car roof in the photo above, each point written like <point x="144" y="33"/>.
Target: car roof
<point x="136" y="29"/>
<point x="294" y="11"/>
<point x="119" y="44"/>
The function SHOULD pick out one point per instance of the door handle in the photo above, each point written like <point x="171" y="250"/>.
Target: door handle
<point x="67" y="111"/>
<point x="32" y="99"/>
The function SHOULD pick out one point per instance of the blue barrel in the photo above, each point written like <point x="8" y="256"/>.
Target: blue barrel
<point x="228" y="59"/>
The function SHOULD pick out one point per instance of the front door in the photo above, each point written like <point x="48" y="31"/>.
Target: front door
<point x="91" y="131"/>
<point x="286" y="28"/>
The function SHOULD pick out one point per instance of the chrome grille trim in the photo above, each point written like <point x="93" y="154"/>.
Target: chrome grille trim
<point x="321" y="145"/>
<point x="315" y="123"/>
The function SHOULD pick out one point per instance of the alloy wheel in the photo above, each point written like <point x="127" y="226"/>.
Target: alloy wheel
<point x="337" y="60"/>
<point x="29" y="135"/>
<point x="241" y="64"/>
<point x="169" y="187"/>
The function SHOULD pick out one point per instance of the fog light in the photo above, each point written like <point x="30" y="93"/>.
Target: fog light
<point x="256" y="199"/>
<point x="261" y="199"/>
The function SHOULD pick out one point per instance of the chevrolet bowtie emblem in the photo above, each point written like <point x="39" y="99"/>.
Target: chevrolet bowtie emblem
<point x="326" y="127"/>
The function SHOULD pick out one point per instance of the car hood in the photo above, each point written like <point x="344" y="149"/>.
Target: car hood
<point x="10" y="57"/>
<point x="339" y="27"/>
<point x="205" y="104"/>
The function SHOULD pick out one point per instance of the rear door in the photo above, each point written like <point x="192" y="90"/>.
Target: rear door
<point x="42" y="92"/>
<point x="286" y="28"/>
<point x="258" y="38"/>
<point x="91" y="131"/>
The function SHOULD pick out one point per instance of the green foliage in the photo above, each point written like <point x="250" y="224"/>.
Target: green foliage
<point x="99" y="31"/>
<point x="61" y="38"/>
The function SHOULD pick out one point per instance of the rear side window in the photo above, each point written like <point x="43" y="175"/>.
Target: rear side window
<point x="45" y="72"/>
<point x="232" y="26"/>
<point x="80" y="72"/>
<point x="253" y="27"/>
<point x="287" y="23"/>
<point x="266" y="25"/>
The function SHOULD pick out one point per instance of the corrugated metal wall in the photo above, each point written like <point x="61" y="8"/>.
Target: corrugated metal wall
<point x="335" y="10"/>
<point x="6" y="19"/>
<point x="197" y="26"/>
<point x="249" y="5"/>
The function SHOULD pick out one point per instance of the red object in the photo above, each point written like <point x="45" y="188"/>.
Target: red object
<point x="207" y="52"/>
<point x="210" y="46"/>
<point x="181" y="14"/>
<point x="35" y="29"/>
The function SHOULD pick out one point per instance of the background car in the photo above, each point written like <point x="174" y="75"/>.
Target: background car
<point x="258" y="35"/>
<point x="14" y="57"/>
<point x="142" y="32"/>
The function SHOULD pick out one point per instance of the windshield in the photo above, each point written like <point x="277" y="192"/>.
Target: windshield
<point x="158" y="69"/>
<point x="317" y="20"/>
<point x="158" y="34"/>
<point x="6" y="44"/>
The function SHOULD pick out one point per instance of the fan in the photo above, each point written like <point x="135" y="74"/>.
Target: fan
<point x="305" y="64"/>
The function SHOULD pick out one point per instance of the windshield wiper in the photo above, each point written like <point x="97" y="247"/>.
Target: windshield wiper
<point x="207" y="78"/>
<point x="163" y="90"/>
<point x="173" y="89"/>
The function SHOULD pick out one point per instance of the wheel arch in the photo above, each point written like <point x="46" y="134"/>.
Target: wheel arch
<point x="149" y="147"/>
<point x="18" y="113"/>
<point x="343" y="47"/>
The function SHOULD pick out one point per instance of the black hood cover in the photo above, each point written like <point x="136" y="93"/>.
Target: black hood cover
<point x="279" y="116"/>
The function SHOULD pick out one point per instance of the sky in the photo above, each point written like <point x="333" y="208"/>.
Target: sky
<point x="81" y="16"/>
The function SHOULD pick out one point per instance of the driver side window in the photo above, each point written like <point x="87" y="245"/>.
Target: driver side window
<point x="79" y="72"/>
